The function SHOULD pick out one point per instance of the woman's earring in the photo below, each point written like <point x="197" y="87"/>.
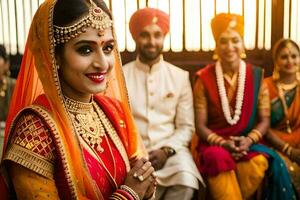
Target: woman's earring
<point x="298" y="74"/>
<point x="57" y="66"/>
<point x="215" y="56"/>
<point x="276" y="75"/>
<point x="243" y="55"/>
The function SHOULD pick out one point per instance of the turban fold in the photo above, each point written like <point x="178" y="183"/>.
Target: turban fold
<point x="146" y="16"/>
<point x="224" y="21"/>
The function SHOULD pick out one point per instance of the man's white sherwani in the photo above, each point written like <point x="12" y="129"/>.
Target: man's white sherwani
<point x="162" y="105"/>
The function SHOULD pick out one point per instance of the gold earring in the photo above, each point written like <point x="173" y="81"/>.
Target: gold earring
<point x="57" y="66"/>
<point x="276" y="75"/>
<point x="215" y="56"/>
<point x="298" y="74"/>
<point x="243" y="55"/>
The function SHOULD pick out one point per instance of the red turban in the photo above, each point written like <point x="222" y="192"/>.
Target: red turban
<point x="147" y="16"/>
<point x="224" y="21"/>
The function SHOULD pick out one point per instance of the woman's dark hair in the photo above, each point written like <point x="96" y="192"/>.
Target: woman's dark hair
<point x="280" y="44"/>
<point x="67" y="12"/>
<point x="3" y="53"/>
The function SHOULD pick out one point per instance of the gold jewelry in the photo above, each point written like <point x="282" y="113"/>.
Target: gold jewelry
<point x="86" y="122"/>
<point x="289" y="86"/>
<point x="276" y="75"/>
<point x="243" y="55"/>
<point x="130" y="191"/>
<point x="286" y="145"/>
<point x="141" y="178"/>
<point x="96" y="18"/>
<point x="84" y="129"/>
<point x="215" y="56"/>
<point x="285" y="108"/>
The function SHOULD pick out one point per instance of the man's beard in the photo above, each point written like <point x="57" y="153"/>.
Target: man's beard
<point x="150" y="56"/>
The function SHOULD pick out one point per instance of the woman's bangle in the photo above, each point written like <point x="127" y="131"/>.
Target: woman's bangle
<point x="255" y="135"/>
<point x="130" y="191"/>
<point x="284" y="148"/>
<point x="214" y="139"/>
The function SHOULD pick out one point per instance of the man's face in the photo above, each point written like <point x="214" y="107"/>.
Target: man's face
<point x="150" y="42"/>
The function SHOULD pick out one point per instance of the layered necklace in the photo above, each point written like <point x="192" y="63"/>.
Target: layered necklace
<point x="240" y="93"/>
<point x="281" y="88"/>
<point x="86" y="122"/>
<point x="90" y="124"/>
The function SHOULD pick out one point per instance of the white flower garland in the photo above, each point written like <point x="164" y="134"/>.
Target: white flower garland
<point x="239" y="96"/>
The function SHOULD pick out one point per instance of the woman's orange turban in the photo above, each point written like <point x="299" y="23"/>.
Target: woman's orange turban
<point x="224" y="21"/>
<point x="147" y="16"/>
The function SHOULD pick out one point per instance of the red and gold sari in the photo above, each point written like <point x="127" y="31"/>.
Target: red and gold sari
<point x="38" y="76"/>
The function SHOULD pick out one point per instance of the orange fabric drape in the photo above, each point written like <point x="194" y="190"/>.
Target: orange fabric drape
<point x="38" y="75"/>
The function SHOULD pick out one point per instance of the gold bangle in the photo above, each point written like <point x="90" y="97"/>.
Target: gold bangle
<point x="284" y="148"/>
<point x="253" y="137"/>
<point x="257" y="132"/>
<point x="210" y="137"/>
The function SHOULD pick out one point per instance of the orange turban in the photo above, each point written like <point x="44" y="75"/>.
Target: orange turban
<point x="147" y="16"/>
<point x="224" y="21"/>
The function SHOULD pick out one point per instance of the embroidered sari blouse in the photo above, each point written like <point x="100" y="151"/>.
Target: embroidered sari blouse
<point x="32" y="146"/>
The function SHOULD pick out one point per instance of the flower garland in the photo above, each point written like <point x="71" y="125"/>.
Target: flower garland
<point x="240" y="93"/>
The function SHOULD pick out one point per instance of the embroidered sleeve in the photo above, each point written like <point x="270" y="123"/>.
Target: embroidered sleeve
<point x="264" y="101"/>
<point x="29" y="185"/>
<point x="31" y="145"/>
<point x="200" y="101"/>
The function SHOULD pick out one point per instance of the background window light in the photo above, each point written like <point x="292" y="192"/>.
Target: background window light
<point x="192" y="25"/>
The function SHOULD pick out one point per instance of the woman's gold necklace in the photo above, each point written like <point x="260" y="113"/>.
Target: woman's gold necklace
<point x="281" y="87"/>
<point x="88" y="124"/>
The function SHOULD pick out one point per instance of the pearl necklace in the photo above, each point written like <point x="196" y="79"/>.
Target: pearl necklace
<point x="240" y="93"/>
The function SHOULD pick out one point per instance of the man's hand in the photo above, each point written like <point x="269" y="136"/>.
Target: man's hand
<point x="158" y="158"/>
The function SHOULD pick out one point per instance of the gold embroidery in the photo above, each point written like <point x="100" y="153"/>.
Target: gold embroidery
<point x="86" y="122"/>
<point x="96" y="18"/>
<point x="31" y="146"/>
<point x="30" y="160"/>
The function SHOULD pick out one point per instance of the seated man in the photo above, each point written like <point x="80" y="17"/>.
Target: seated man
<point x="162" y="105"/>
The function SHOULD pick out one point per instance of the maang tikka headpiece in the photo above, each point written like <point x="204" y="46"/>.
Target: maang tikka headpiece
<point x="96" y="18"/>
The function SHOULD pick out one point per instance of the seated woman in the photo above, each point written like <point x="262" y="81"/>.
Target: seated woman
<point x="67" y="137"/>
<point x="232" y="115"/>
<point x="283" y="86"/>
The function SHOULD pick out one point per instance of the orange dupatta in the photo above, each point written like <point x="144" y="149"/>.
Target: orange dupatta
<point x="38" y="75"/>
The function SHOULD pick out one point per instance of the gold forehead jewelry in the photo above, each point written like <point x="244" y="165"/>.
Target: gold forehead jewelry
<point x="232" y="23"/>
<point x="96" y="18"/>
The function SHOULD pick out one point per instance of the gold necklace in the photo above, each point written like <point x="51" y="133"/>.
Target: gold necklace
<point x="288" y="86"/>
<point x="102" y="118"/>
<point x="3" y="87"/>
<point x="86" y="122"/>
<point x="285" y="108"/>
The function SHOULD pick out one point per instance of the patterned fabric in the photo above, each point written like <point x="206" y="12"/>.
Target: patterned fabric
<point x="38" y="75"/>
<point x="31" y="145"/>
<point x="278" y="124"/>
<point x="213" y="160"/>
